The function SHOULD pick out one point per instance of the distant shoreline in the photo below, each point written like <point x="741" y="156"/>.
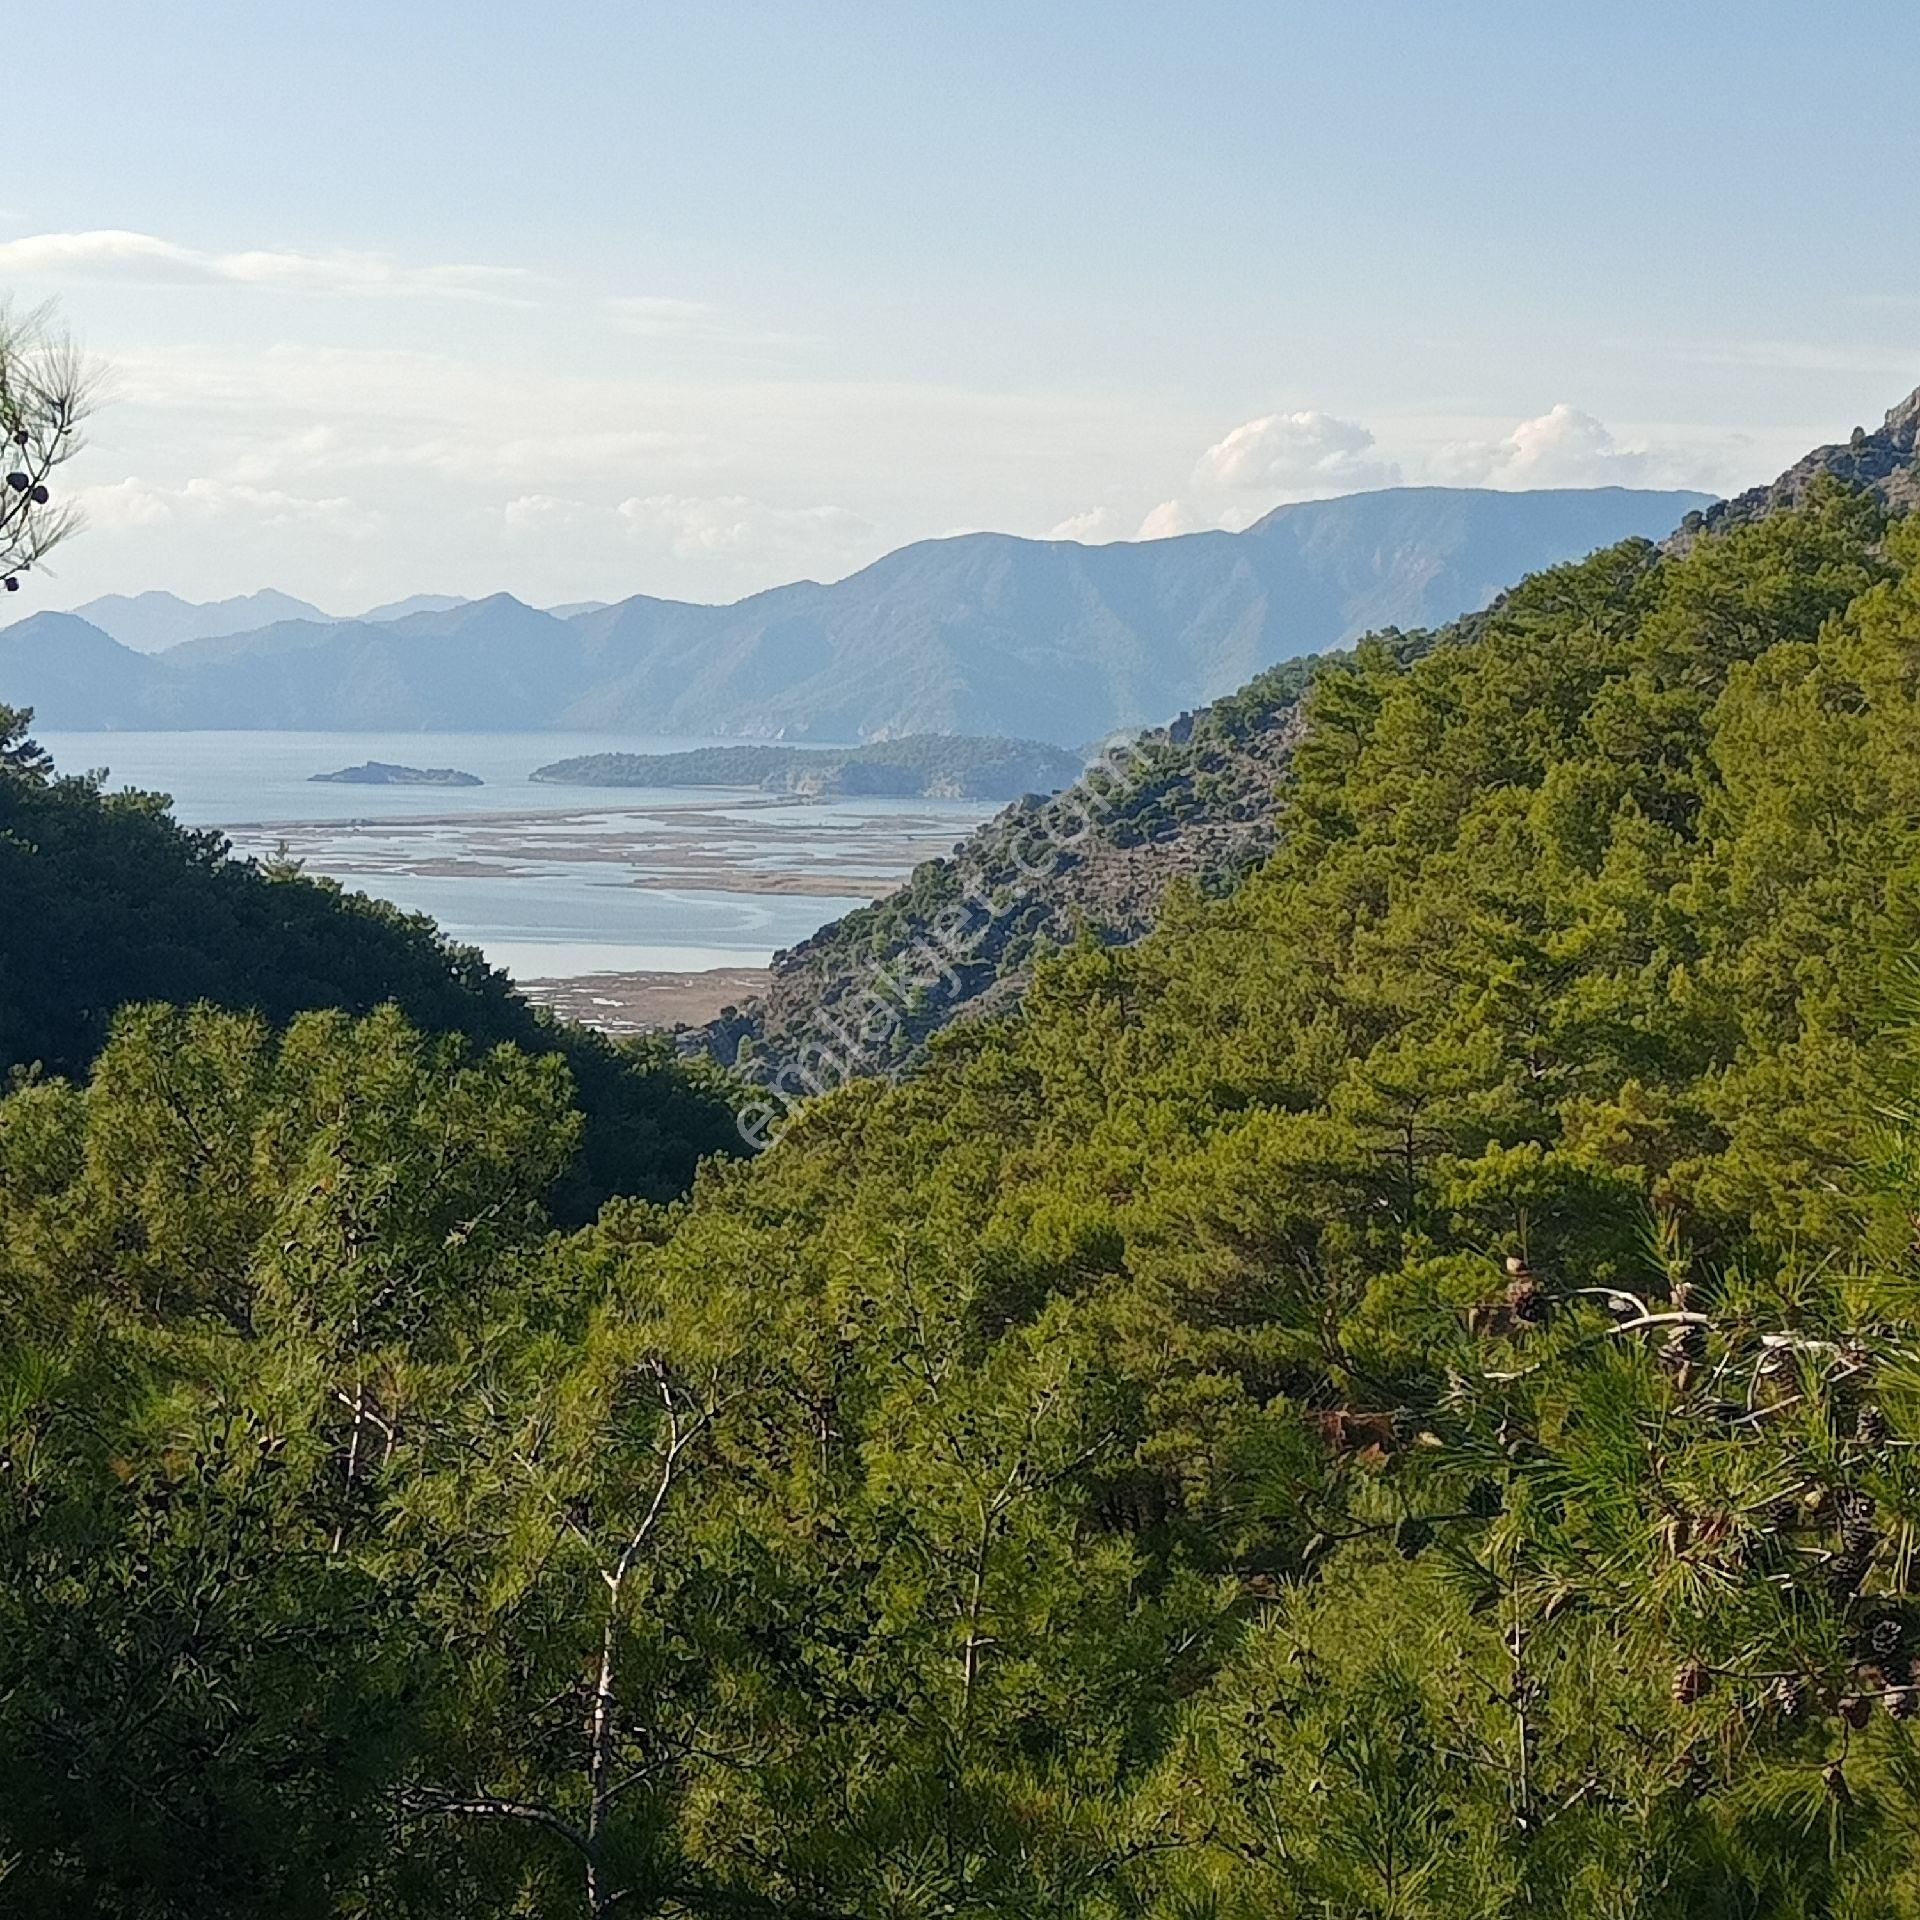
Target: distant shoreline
<point x="648" y="1001"/>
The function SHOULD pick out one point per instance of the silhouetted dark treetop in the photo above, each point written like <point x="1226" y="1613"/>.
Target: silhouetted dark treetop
<point x="45" y="395"/>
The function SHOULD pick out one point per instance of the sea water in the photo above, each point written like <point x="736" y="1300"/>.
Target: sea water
<point x="548" y="881"/>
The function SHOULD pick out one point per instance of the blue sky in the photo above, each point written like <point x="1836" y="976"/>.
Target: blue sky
<point x="584" y="300"/>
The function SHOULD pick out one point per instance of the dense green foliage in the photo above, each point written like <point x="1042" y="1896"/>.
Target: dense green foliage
<point x="1391" y="1399"/>
<point x="107" y="900"/>
<point x="938" y="765"/>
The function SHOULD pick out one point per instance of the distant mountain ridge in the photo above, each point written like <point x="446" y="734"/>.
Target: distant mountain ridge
<point x="156" y="621"/>
<point x="984" y="634"/>
<point x="153" y="621"/>
<point x="415" y="603"/>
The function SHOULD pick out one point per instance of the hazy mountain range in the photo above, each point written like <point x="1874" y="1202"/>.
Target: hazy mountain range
<point x="983" y="633"/>
<point x="152" y="622"/>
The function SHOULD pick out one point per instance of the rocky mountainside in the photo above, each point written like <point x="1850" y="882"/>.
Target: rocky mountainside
<point x="1885" y="462"/>
<point x="1191" y="802"/>
<point x="981" y="634"/>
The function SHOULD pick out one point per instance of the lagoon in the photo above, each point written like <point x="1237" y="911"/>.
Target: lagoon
<point x="548" y="881"/>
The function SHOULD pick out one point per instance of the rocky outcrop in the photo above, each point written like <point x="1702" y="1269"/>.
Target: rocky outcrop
<point x="1886" y="462"/>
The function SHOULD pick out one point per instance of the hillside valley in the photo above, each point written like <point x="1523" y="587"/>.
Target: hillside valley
<point x="1369" y="1374"/>
<point x="1100" y="1097"/>
<point x="1193" y="806"/>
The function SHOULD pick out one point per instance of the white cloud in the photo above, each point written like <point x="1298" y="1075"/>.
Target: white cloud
<point x="688" y="323"/>
<point x="305" y="451"/>
<point x="540" y="513"/>
<point x="434" y="442"/>
<point x="1563" y="447"/>
<point x="1092" y="528"/>
<point x="692" y="525"/>
<point x="1306" y="452"/>
<point x="116" y="254"/>
<point x="134" y="502"/>
<point x="1170" y="517"/>
<point x="657" y="313"/>
<point x="126" y="503"/>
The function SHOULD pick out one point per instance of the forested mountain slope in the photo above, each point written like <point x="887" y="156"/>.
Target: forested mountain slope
<point x="1393" y="1395"/>
<point x="979" y="634"/>
<point x="1195" y="804"/>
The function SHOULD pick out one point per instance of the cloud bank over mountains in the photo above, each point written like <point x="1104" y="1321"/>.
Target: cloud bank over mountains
<point x="1282" y="458"/>
<point x="349" y="421"/>
<point x="1291" y="451"/>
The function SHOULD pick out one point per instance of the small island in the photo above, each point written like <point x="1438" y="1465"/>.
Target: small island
<point x="927" y="766"/>
<point x="383" y="773"/>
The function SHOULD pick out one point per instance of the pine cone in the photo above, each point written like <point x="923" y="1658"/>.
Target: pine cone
<point x="1782" y="1515"/>
<point x="1690" y="1683"/>
<point x="1790" y="1696"/>
<point x="1844" y="1573"/>
<point x="1870" y="1427"/>
<point x="1885" y="1638"/>
<point x="1858" y="1534"/>
<point x="1411" y="1536"/>
<point x="1900" y="1702"/>
<point x="1525" y="1301"/>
